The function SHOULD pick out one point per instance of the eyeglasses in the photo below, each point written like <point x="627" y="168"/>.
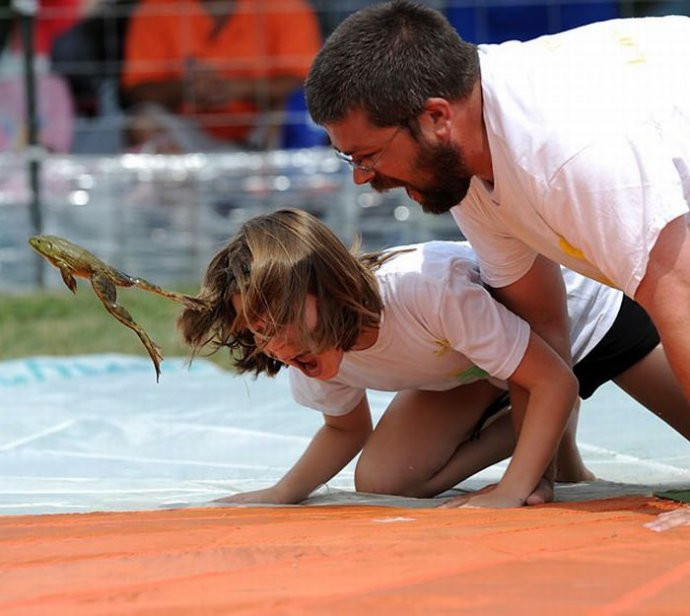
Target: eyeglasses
<point x="373" y="160"/>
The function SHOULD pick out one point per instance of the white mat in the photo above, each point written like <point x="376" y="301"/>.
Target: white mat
<point x="94" y="433"/>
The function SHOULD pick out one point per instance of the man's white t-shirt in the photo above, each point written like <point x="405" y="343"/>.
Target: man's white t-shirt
<point x="441" y="328"/>
<point x="589" y="132"/>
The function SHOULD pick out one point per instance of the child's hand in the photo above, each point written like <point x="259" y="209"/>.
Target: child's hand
<point x="670" y="519"/>
<point x="463" y="499"/>
<point x="493" y="499"/>
<point x="489" y="497"/>
<point x="267" y="496"/>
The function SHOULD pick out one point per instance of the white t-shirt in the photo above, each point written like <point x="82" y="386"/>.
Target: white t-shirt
<point x="441" y="328"/>
<point x="589" y="132"/>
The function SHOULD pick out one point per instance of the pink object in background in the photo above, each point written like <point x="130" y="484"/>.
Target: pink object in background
<point x="55" y="113"/>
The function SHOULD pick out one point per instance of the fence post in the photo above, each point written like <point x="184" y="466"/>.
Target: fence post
<point x="26" y="11"/>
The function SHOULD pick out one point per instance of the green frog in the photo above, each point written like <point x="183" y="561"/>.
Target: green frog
<point x="73" y="260"/>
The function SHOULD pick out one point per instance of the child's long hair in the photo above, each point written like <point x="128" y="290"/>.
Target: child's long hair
<point x="273" y="262"/>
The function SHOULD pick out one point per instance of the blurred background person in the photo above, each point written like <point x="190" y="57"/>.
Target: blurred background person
<point x="89" y="55"/>
<point x="214" y="74"/>
<point x="55" y="113"/>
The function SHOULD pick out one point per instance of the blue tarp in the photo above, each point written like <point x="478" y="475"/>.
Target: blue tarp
<point x="97" y="432"/>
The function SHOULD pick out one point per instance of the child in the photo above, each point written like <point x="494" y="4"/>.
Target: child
<point x="416" y="320"/>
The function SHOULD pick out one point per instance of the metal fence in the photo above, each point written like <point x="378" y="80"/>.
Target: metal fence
<point x="162" y="217"/>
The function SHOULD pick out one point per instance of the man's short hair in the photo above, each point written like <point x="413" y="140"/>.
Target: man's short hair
<point x="388" y="60"/>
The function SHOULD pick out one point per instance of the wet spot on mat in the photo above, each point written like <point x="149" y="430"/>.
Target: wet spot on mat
<point x="395" y="519"/>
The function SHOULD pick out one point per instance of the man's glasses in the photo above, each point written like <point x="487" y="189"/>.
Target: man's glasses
<point x="368" y="163"/>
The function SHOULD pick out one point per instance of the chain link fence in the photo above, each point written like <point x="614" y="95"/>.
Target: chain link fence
<point x="163" y="217"/>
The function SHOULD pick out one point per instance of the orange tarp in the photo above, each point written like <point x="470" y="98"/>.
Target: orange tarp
<point x="576" y="558"/>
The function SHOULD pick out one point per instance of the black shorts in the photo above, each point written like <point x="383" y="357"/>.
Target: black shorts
<point x="631" y="337"/>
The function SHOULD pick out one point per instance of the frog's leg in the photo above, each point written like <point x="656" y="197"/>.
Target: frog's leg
<point x="66" y="273"/>
<point x="107" y="293"/>
<point x="189" y="301"/>
<point x="68" y="279"/>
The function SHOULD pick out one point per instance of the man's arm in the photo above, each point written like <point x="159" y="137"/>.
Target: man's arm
<point x="552" y="390"/>
<point x="540" y="298"/>
<point x="665" y="294"/>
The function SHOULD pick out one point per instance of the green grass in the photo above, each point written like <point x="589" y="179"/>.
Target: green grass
<point x="59" y="323"/>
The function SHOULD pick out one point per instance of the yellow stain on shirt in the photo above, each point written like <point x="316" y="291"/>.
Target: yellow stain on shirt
<point x="550" y="43"/>
<point x="570" y="250"/>
<point x="632" y="51"/>
<point x="442" y="347"/>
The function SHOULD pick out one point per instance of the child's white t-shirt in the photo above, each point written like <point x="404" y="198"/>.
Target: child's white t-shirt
<point x="441" y="328"/>
<point x="589" y="132"/>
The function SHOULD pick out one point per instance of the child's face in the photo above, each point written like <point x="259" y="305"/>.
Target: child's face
<point x="323" y="365"/>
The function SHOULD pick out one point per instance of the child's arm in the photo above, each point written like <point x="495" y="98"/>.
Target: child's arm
<point x="333" y="446"/>
<point x="552" y="391"/>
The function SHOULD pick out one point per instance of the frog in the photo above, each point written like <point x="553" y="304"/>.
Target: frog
<point x="74" y="261"/>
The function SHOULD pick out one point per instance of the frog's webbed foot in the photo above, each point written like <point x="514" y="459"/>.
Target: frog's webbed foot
<point x="107" y="293"/>
<point x="69" y="280"/>
<point x="190" y="302"/>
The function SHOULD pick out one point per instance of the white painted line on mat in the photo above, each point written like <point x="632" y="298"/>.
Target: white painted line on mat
<point x="125" y="458"/>
<point x="623" y="457"/>
<point x="240" y="431"/>
<point x="37" y="435"/>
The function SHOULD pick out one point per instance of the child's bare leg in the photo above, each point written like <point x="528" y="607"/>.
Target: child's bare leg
<point x="420" y="446"/>
<point x="651" y="382"/>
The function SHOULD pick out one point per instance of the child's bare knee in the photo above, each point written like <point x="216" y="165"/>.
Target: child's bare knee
<point x="373" y="480"/>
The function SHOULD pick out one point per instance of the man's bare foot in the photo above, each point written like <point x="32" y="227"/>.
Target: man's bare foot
<point x="569" y="465"/>
<point x="572" y="475"/>
<point x="571" y="469"/>
<point x="543" y="493"/>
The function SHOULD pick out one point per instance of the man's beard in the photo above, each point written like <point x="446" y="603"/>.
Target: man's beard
<point x="450" y="178"/>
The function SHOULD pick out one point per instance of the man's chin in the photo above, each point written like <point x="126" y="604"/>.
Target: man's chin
<point x="438" y="207"/>
<point x="429" y="206"/>
<point x="431" y="201"/>
<point x="441" y="202"/>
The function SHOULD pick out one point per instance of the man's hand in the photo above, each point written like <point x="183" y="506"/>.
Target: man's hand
<point x="543" y="493"/>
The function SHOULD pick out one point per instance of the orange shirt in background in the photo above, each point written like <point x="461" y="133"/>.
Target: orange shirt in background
<point x="262" y="38"/>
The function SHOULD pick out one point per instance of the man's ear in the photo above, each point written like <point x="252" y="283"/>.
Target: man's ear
<point x="436" y="119"/>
